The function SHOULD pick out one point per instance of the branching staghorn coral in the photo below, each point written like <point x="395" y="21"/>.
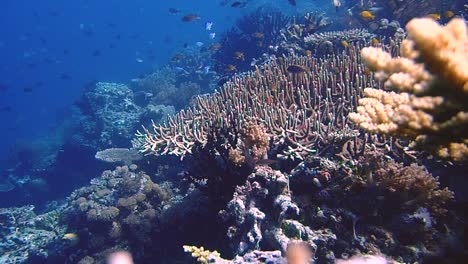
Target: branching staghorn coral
<point x="301" y="111"/>
<point x="431" y="80"/>
<point x="303" y="103"/>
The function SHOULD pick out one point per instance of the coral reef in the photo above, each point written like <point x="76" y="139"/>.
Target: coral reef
<point x="262" y="214"/>
<point x="109" y="116"/>
<point x="25" y="235"/>
<point x="165" y="87"/>
<point x="118" y="209"/>
<point x="357" y="202"/>
<point x="431" y="80"/>
<point x="302" y="102"/>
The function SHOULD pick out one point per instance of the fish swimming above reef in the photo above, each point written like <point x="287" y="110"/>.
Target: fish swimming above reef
<point x="238" y="55"/>
<point x="367" y="15"/>
<point x="208" y="25"/>
<point x="238" y="4"/>
<point x="258" y="35"/>
<point x="71" y="238"/>
<point x="174" y="10"/>
<point x="336" y="4"/>
<point x="434" y="16"/>
<point x="449" y="14"/>
<point x="190" y="17"/>
<point x="215" y="46"/>
<point x="231" y="68"/>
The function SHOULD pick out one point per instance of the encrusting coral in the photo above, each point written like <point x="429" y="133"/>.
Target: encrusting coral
<point x="431" y="83"/>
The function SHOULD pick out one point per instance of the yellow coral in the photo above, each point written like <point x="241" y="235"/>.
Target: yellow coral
<point x="202" y="255"/>
<point x="430" y="81"/>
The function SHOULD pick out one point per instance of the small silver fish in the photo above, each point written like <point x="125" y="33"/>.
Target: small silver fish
<point x="208" y="25"/>
<point x="336" y="4"/>
<point x="212" y="35"/>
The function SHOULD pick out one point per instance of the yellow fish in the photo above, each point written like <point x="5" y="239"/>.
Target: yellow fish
<point x="71" y="238"/>
<point x="345" y="43"/>
<point x="308" y="53"/>
<point x="434" y="16"/>
<point x="367" y="15"/>
<point x="375" y="41"/>
<point x="449" y="14"/>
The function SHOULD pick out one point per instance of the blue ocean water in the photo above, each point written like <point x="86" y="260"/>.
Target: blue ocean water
<point x="51" y="49"/>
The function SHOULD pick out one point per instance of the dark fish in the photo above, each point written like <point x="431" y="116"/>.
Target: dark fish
<point x="65" y="76"/>
<point x="27" y="89"/>
<point x="6" y="108"/>
<point x="296" y="69"/>
<point x="238" y="4"/>
<point x="292" y="2"/>
<point x="174" y="10"/>
<point x="190" y="17"/>
<point x="96" y="53"/>
<point x="185" y="45"/>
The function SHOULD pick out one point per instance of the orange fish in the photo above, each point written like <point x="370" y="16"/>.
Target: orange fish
<point x="367" y="15"/>
<point x="308" y="53"/>
<point x="375" y="42"/>
<point x="434" y="16"/>
<point x="345" y="43"/>
<point x="190" y="17"/>
<point x="449" y="14"/>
